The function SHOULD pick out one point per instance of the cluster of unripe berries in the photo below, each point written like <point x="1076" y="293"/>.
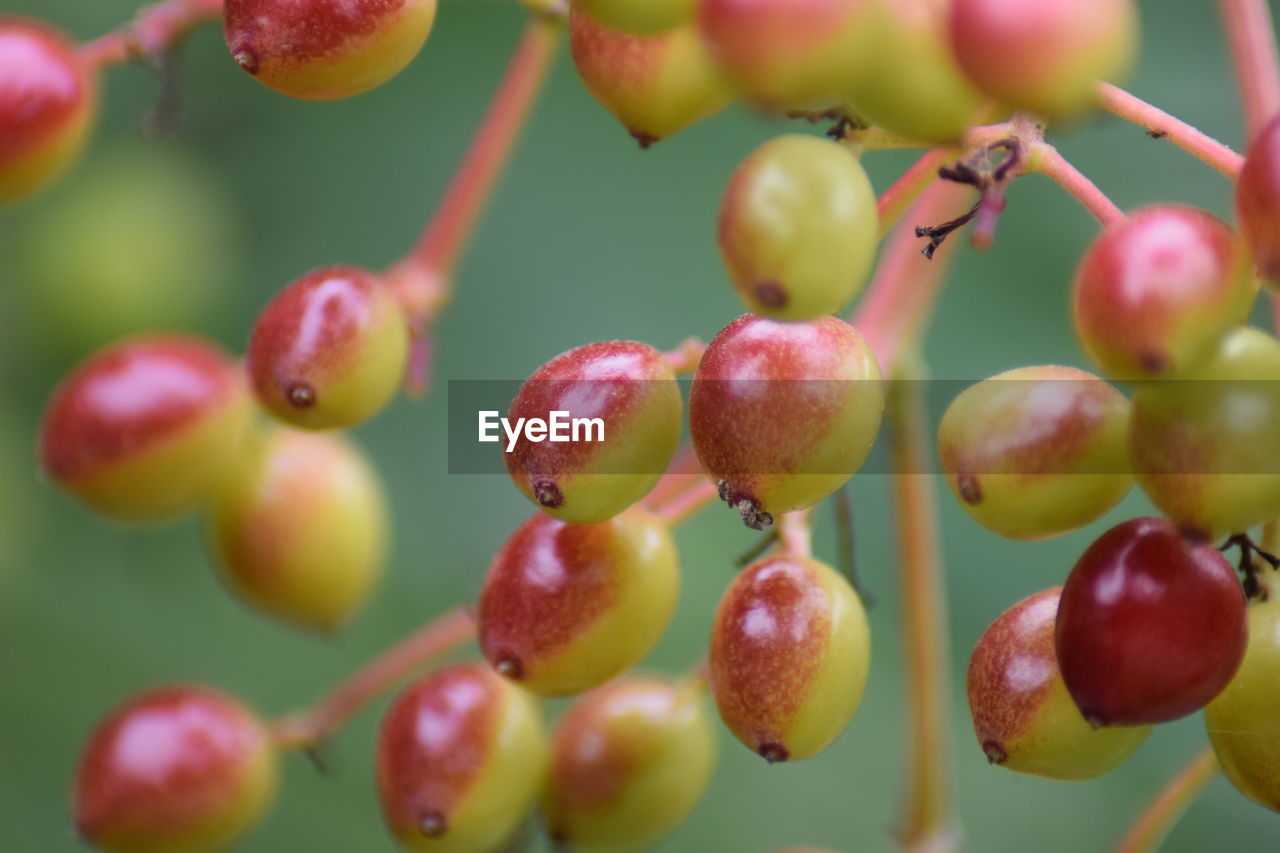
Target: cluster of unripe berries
<point x="1150" y="626"/>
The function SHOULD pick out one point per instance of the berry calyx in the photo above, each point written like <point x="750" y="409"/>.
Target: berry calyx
<point x="460" y="758"/>
<point x="1037" y="451"/>
<point x="329" y="350"/>
<point x="798" y="228"/>
<point x="48" y="98"/>
<point x="628" y="764"/>
<point x="1156" y="292"/>
<point x="566" y="607"/>
<point x="325" y="49"/>
<point x="822" y="374"/>
<point x="631" y="390"/>
<point x="299" y="529"/>
<point x="1044" y="56"/>
<point x="1150" y="626"/>
<point x="1258" y="201"/>
<point x="147" y="427"/>
<point x="655" y="83"/>
<point x="638" y="16"/>
<point x="180" y="768"/>
<point x="1022" y="714"/>
<point x="790" y="651"/>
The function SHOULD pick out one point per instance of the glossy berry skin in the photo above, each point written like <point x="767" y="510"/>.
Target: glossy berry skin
<point x="638" y="16"/>
<point x="330" y="350"/>
<point x="1156" y="291"/>
<point x="1150" y="626"/>
<point x="655" y="84"/>
<point x="1037" y="451"/>
<point x="765" y="464"/>
<point x="175" y="769"/>
<point x="48" y="98"/>
<point x="325" y="49"/>
<point x="1022" y="714"/>
<point x="912" y="85"/>
<point x="1204" y="448"/>
<point x="299" y="531"/>
<point x="566" y="607"/>
<point x="459" y="761"/>
<point x="1044" y="56"/>
<point x="789" y="53"/>
<point x="790" y="650"/>
<point x="1258" y="201"/>
<point x="632" y="390"/>
<point x="1242" y="722"/>
<point x="798" y="228"/>
<point x="628" y="764"/>
<point x="147" y="427"/>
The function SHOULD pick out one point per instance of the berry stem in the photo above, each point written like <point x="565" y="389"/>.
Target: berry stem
<point x="928" y="824"/>
<point x="895" y="200"/>
<point x="152" y="31"/>
<point x="1251" y="35"/>
<point x="684" y="506"/>
<point x="306" y="728"/>
<point x="684" y="471"/>
<point x="1161" y="125"/>
<point x="1048" y="161"/>
<point x="795" y="531"/>
<point x="1155" y="822"/>
<point x="686" y="356"/>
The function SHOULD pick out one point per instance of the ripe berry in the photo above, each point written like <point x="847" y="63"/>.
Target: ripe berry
<point x="638" y="16"/>
<point x="48" y="97"/>
<point x="1150" y="626"/>
<point x="1242" y="722"/>
<point x="180" y="768"/>
<point x="147" y="427"/>
<point x="329" y="350"/>
<point x="1205" y="446"/>
<point x="1022" y="714"/>
<point x="326" y="49"/>
<point x="299" y="530"/>
<point x="798" y="228"/>
<point x="628" y="764"/>
<point x="790" y="53"/>
<point x="1157" y="291"/>
<point x="825" y="379"/>
<point x="1044" y="56"/>
<point x="1037" y="451"/>
<point x="630" y="388"/>
<point x="566" y="607"/>
<point x="654" y="84"/>
<point x="460" y="759"/>
<point x="790" y="650"/>
<point x="912" y="85"/>
<point x="1258" y="201"/>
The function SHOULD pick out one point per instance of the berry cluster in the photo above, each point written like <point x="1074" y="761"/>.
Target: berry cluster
<point x="1151" y="625"/>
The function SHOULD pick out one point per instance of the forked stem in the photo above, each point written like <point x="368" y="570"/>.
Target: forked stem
<point x="1251" y="36"/>
<point x="1048" y="161"/>
<point x="308" y="727"/>
<point x="1161" y="125"/>
<point x="1160" y="815"/>
<point x="153" y="30"/>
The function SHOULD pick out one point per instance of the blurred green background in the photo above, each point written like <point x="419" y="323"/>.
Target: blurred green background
<point x="588" y="238"/>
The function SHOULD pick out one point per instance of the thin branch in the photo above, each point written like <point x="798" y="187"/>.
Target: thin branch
<point x="1047" y="160"/>
<point x="684" y="506"/>
<point x="686" y="356"/>
<point x="795" y="532"/>
<point x="306" y="728"/>
<point x="895" y="200"/>
<point x="1155" y="822"/>
<point x="1252" y="38"/>
<point x="1161" y="125"/>
<point x="154" y="29"/>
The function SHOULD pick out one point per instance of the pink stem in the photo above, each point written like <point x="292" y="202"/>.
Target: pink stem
<point x="1253" y="48"/>
<point x="684" y="506"/>
<point x="1047" y="161"/>
<point x="154" y="29"/>
<point x="1158" y="818"/>
<point x="1159" y="123"/>
<point x="894" y="201"/>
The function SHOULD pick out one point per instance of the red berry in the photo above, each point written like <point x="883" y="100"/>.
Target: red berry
<point x="48" y="97"/>
<point x="783" y="414"/>
<point x="326" y="49"/>
<point x="460" y="758"/>
<point x="566" y="607"/>
<point x="147" y="427"/>
<point x="1150" y="626"/>
<point x="631" y="390"/>
<point x="1156" y="291"/>
<point x="1258" y="200"/>
<point x="181" y="768"/>
<point x="330" y="350"/>
<point x="1045" y="55"/>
